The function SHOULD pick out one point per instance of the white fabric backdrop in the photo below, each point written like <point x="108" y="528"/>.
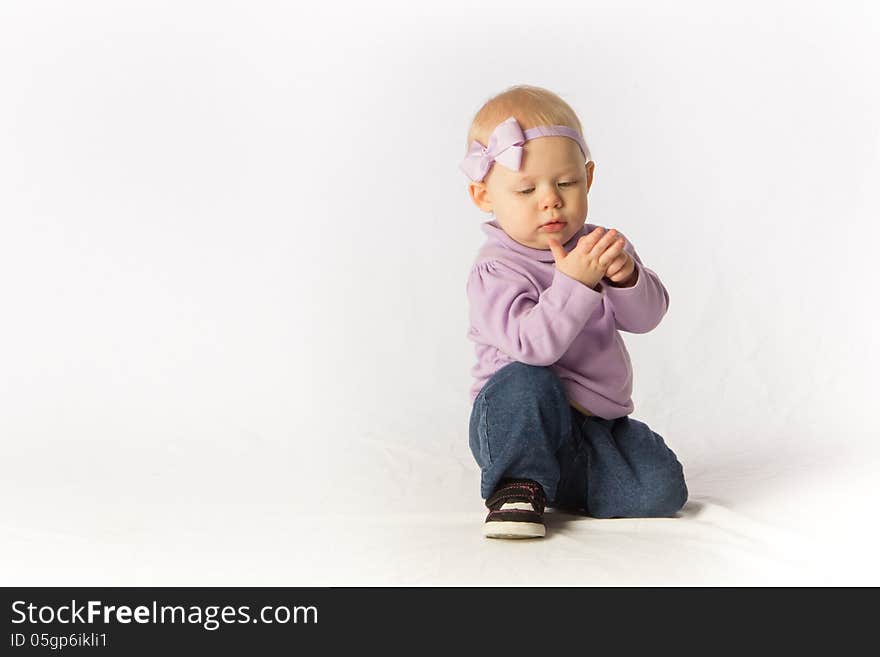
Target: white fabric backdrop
<point x="233" y="248"/>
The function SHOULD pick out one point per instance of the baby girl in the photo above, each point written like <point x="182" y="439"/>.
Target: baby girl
<point x="549" y="295"/>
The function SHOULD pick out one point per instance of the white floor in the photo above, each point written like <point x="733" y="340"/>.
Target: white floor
<point x="403" y="510"/>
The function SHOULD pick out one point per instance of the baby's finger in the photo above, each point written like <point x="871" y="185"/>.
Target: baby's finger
<point x="610" y="238"/>
<point x="587" y="242"/>
<point x="615" y="265"/>
<point x="612" y="251"/>
<point x="556" y="249"/>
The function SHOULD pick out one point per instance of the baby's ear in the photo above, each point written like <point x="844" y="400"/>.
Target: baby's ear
<point x="590" y="168"/>
<point x="480" y="196"/>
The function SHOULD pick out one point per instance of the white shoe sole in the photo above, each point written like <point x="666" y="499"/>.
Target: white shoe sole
<point x="513" y="530"/>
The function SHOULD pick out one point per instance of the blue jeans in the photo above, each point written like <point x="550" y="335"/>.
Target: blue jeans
<point x="522" y="426"/>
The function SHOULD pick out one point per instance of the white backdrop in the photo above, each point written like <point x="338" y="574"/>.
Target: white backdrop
<point x="234" y="242"/>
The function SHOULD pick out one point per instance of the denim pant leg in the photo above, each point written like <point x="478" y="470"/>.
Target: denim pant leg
<point x="518" y="422"/>
<point x="630" y="473"/>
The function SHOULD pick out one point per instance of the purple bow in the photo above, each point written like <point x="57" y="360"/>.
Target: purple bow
<point x="505" y="146"/>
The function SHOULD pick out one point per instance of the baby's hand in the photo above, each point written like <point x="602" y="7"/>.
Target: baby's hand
<point x="588" y="261"/>
<point x="622" y="271"/>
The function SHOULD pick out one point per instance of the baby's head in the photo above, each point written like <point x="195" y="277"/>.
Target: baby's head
<point x="554" y="175"/>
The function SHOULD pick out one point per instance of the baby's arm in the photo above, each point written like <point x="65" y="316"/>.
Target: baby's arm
<point x="639" y="308"/>
<point x="507" y="312"/>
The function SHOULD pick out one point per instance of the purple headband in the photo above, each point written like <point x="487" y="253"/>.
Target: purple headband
<point x="505" y="147"/>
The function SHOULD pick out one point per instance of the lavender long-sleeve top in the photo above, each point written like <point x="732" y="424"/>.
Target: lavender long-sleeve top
<point x="523" y="309"/>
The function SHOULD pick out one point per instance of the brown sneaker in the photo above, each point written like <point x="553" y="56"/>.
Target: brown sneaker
<point x="516" y="510"/>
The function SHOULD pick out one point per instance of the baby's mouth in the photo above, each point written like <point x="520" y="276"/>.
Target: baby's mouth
<point x="552" y="226"/>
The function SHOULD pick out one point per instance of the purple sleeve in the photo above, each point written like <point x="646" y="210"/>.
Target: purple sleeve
<point x="638" y="309"/>
<point x="506" y="311"/>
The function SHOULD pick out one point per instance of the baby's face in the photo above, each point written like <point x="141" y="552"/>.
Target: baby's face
<point x="552" y="183"/>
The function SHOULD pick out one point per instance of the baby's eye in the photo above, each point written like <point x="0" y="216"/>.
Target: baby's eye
<point x="562" y="184"/>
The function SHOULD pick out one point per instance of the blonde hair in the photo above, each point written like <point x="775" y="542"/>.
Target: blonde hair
<point x="531" y="106"/>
